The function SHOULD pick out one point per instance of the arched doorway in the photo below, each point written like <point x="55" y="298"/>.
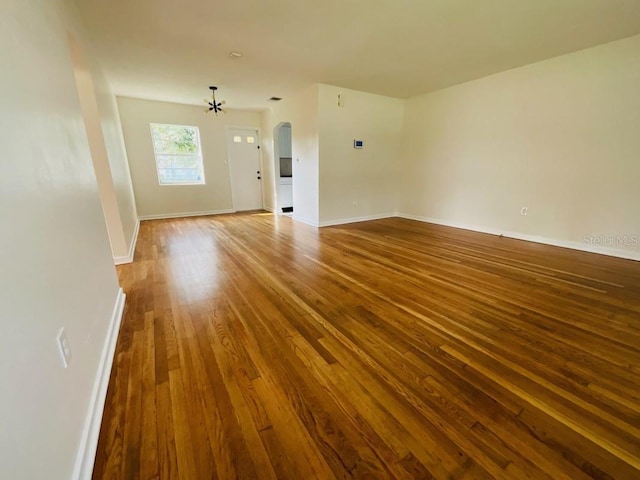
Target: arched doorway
<point x="283" y="167"/>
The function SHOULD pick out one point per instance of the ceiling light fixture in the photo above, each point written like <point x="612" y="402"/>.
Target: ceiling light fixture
<point x="235" y="54"/>
<point x="213" y="104"/>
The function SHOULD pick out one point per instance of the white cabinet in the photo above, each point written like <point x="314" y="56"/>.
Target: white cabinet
<point x="285" y="142"/>
<point x="286" y="193"/>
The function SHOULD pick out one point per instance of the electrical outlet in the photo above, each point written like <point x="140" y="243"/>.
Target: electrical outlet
<point x="63" y="347"/>
<point x="524" y="211"/>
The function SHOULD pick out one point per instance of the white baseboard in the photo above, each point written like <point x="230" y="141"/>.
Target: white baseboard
<point x="161" y="216"/>
<point x="304" y="220"/>
<point x="366" y="218"/>
<point x="269" y="209"/>
<point x="612" y="252"/>
<point x="134" y="240"/>
<point x="86" y="455"/>
<point x="132" y="247"/>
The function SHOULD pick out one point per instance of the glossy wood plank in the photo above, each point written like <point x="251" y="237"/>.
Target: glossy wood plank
<point x="255" y="347"/>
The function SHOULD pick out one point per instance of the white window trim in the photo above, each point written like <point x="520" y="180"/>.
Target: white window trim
<point x="155" y="160"/>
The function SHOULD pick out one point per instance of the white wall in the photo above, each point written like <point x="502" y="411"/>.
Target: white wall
<point x="561" y="137"/>
<point x="168" y="200"/>
<point x="270" y="151"/>
<point x="106" y="144"/>
<point x="301" y="111"/>
<point x="118" y="161"/>
<point x="57" y="268"/>
<point x="332" y="181"/>
<point x="97" y="147"/>
<point x="358" y="183"/>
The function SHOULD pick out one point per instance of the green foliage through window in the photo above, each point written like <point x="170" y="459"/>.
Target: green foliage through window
<point x="177" y="152"/>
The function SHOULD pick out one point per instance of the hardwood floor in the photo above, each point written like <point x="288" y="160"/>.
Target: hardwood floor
<point x="255" y="347"/>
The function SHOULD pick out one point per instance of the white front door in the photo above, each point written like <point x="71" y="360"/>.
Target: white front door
<point x="244" y="165"/>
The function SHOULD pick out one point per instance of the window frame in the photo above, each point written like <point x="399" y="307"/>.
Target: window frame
<point x="199" y="155"/>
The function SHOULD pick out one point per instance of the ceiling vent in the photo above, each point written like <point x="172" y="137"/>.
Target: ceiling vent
<point x="275" y="99"/>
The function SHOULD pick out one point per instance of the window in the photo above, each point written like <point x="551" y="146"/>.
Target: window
<point x="178" y="154"/>
<point x="237" y="139"/>
<point x="251" y="140"/>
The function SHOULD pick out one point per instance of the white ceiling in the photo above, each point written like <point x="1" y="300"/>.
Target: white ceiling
<point x="173" y="50"/>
